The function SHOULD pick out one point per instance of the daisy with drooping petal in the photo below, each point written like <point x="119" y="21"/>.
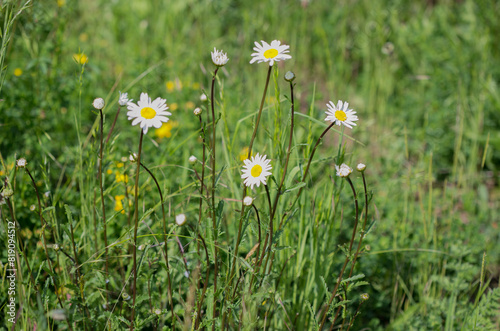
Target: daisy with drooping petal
<point x="148" y="113"/>
<point x="270" y="53"/>
<point x="343" y="171"/>
<point x="340" y="114"/>
<point x="218" y="58"/>
<point x="255" y="170"/>
<point x="123" y="100"/>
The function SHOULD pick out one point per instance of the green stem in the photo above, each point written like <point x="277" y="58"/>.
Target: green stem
<point x="102" y="202"/>
<point x="136" y="225"/>
<point x="254" y="134"/>
<point x="334" y="292"/>
<point x="214" y="221"/>
<point x="169" y="282"/>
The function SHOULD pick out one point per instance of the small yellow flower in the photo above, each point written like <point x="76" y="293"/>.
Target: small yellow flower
<point x="165" y="130"/>
<point x="120" y="165"/>
<point x="174" y="106"/>
<point x="119" y="204"/>
<point x="121" y="177"/>
<point x="195" y="86"/>
<point x="61" y="3"/>
<point x="189" y="105"/>
<point x="244" y="154"/>
<point x="18" y="72"/>
<point x="170" y="86"/>
<point x="80" y="58"/>
<point x="109" y="171"/>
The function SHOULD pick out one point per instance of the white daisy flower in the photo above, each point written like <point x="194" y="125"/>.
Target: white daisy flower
<point x="32" y="207"/>
<point x="341" y="114"/>
<point x="219" y="58"/>
<point x="361" y="167"/>
<point x="21" y="163"/>
<point x="247" y="201"/>
<point x="256" y="170"/>
<point x="343" y="171"/>
<point x="123" y="100"/>
<point x="180" y="219"/>
<point x="270" y="53"/>
<point x="98" y="103"/>
<point x="148" y="113"/>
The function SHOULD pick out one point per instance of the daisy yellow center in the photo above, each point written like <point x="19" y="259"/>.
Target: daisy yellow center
<point x="148" y="113"/>
<point x="270" y="53"/>
<point x="340" y="115"/>
<point x="256" y="170"/>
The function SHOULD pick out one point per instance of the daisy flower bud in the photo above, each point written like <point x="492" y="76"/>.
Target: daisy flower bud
<point x="47" y="194"/>
<point x="197" y="111"/>
<point x="21" y="163"/>
<point x="289" y="76"/>
<point x="218" y="58"/>
<point x="180" y="219"/>
<point x="247" y="201"/>
<point x="123" y="100"/>
<point x="192" y="159"/>
<point x="203" y="97"/>
<point x="158" y="311"/>
<point x="98" y="103"/>
<point x="133" y="157"/>
<point x="56" y="247"/>
<point x="361" y="167"/>
<point x="343" y="171"/>
<point x="365" y="296"/>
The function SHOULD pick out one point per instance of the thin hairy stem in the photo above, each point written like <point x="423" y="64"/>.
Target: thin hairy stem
<point x="113" y="125"/>
<point x="165" y="246"/>
<point x="136" y="225"/>
<point x="214" y="221"/>
<point x="280" y="187"/>
<point x="101" y="188"/>
<point x="254" y="134"/>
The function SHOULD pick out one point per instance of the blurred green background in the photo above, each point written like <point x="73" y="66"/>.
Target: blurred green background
<point x="422" y="75"/>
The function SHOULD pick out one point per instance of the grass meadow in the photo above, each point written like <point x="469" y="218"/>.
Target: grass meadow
<point x="93" y="240"/>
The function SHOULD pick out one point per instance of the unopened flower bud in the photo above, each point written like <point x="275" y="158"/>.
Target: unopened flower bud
<point x="98" y="103"/>
<point x="289" y="76"/>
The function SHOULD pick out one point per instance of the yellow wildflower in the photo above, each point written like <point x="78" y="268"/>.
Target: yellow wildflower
<point x="61" y="3"/>
<point x="174" y="106"/>
<point x="18" y="72"/>
<point x="189" y="105"/>
<point x="121" y="177"/>
<point x="120" y="164"/>
<point x="119" y="204"/>
<point x="170" y="86"/>
<point x="80" y="58"/>
<point x="109" y="171"/>
<point x="165" y="130"/>
<point x="196" y="86"/>
<point x="244" y="154"/>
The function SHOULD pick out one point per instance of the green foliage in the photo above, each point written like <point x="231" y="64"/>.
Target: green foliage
<point x="423" y="78"/>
